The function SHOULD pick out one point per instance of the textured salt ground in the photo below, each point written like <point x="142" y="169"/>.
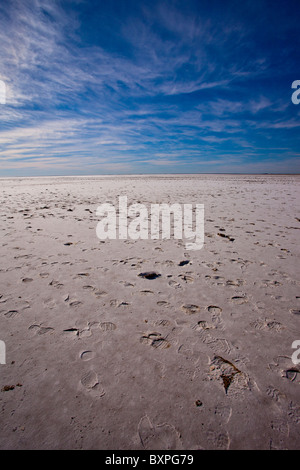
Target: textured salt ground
<point x="197" y="358"/>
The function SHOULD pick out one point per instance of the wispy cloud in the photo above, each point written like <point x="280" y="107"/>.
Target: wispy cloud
<point x="158" y="85"/>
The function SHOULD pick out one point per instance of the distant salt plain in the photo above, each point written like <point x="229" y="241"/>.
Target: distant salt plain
<point x="197" y="355"/>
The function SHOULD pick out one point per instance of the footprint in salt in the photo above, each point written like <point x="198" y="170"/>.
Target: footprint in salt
<point x="107" y="326"/>
<point x="162" y="303"/>
<point x="82" y="329"/>
<point x="159" y="437"/>
<point x="234" y="380"/>
<point x="215" y="312"/>
<point x="190" y="308"/>
<point x="75" y="303"/>
<point x="234" y="283"/>
<point x="56" y="284"/>
<point x="186" y="278"/>
<point x="174" y="284"/>
<point x="284" y="366"/>
<point x="223" y="413"/>
<point x="202" y="325"/>
<point x="87" y="355"/>
<point x="127" y="284"/>
<point x="156" y="340"/>
<point x="90" y="383"/>
<point x="162" y="322"/>
<point x="295" y="311"/>
<point x="146" y="292"/>
<point x="239" y="299"/>
<point x="40" y="330"/>
<point x="214" y="309"/>
<point x="269" y="283"/>
<point x="11" y="313"/>
<point x="218" y="440"/>
<point x="100" y="293"/>
<point x="89" y="288"/>
<point x="118" y="303"/>
<point x="267" y="324"/>
<point x="81" y="275"/>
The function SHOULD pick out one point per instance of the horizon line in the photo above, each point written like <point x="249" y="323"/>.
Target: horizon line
<point x="148" y="174"/>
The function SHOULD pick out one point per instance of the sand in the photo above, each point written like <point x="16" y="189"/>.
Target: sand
<point x="199" y="357"/>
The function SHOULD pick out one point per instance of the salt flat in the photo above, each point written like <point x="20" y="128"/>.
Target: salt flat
<point x="199" y="357"/>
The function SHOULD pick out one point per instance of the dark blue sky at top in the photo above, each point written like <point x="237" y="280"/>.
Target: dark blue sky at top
<point x="109" y="87"/>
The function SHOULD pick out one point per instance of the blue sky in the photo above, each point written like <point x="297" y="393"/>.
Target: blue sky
<point x="121" y="87"/>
